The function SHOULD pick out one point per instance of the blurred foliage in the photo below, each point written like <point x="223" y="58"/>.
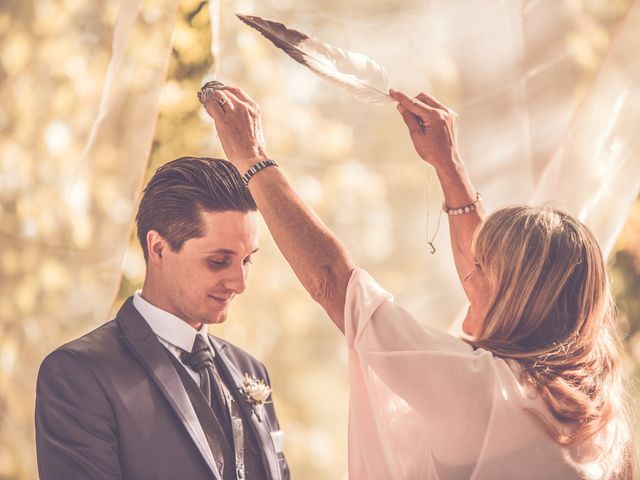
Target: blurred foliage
<point x="625" y="275"/>
<point x="56" y="266"/>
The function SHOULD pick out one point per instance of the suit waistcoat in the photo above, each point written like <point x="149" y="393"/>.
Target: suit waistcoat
<point x="219" y="433"/>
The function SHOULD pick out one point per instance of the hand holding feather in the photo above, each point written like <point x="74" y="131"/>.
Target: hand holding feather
<point x="356" y="73"/>
<point x="432" y="126"/>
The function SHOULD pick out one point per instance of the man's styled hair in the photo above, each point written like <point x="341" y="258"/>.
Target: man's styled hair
<point x="180" y="190"/>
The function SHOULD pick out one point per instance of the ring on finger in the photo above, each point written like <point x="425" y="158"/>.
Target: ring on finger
<point x="207" y="91"/>
<point x="204" y="95"/>
<point x="222" y="102"/>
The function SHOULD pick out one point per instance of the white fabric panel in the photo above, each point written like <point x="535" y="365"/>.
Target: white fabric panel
<point x="595" y="174"/>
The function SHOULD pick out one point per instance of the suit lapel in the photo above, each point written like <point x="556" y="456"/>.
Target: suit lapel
<point x="260" y="429"/>
<point x="138" y="336"/>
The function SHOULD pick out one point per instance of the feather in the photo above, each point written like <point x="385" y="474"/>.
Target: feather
<point x="357" y="73"/>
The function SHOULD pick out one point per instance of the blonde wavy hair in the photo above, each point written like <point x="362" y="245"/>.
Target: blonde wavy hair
<point x="551" y="310"/>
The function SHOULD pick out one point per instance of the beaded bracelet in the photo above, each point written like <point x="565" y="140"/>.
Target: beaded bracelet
<point x="460" y="210"/>
<point x="256" y="168"/>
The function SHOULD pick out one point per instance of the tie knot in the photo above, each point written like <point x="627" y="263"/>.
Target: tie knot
<point x="200" y="356"/>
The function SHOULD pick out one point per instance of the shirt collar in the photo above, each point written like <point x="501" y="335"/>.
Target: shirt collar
<point x="169" y="327"/>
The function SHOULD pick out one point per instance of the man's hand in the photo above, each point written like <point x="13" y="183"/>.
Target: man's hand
<point x="432" y="126"/>
<point x="237" y="120"/>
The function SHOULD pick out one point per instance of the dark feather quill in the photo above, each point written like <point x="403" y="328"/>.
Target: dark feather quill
<point x="360" y="75"/>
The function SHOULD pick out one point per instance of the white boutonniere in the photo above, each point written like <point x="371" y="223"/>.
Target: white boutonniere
<point x="256" y="393"/>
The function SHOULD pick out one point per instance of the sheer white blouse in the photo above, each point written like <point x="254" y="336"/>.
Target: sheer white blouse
<point x="426" y="405"/>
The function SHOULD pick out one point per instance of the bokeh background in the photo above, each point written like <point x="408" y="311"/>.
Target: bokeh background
<point x="96" y="95"/>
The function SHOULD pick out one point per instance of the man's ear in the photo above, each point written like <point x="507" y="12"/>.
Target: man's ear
<point x="156" y="246"/>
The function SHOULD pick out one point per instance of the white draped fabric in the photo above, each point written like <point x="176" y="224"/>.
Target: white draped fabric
<point x="546" y="91"/>
<point x="595" y="172"/>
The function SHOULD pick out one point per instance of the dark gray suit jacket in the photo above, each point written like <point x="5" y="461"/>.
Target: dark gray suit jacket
<point x="110" y="405"/>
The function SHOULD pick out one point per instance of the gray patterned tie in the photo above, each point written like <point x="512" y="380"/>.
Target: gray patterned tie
<point x="201" y="360"/>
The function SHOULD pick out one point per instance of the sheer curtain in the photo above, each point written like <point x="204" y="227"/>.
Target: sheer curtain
<point x="547" y="93"/>
<point x="595" y="171"/>
<point x="80" y="92"/>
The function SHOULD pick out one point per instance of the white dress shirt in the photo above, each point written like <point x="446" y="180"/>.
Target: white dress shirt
<point x="173" y="332"/>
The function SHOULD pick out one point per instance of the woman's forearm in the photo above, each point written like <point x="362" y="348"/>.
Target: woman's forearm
<point x="433" y="130"/>
<point x="459" y="192"/>
<point x="318" y="258"/>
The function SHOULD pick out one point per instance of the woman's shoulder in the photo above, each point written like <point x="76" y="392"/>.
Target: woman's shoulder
<point x="379" y="326"/>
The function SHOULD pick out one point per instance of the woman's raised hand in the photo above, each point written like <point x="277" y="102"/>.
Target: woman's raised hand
<point x="237" y="119"/>
<point x="432" y="126"/>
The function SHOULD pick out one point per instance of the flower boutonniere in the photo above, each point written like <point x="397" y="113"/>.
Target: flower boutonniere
<point x="256" y="392"/>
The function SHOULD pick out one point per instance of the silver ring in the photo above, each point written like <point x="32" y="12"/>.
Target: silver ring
<point x="207" y="90"/>
<point x="222" y="101"/>
<point x="215" y="84"/>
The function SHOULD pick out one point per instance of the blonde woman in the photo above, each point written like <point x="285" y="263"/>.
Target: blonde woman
<point x="535" y="394"/>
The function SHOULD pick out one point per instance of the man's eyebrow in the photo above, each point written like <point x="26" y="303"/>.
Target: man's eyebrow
<point x="226" y="251"/>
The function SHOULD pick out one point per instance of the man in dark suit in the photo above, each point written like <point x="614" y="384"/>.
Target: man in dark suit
<point x="150" y="395"/>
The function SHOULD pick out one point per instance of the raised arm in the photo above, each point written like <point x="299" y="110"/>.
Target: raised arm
<point x="318" y="258"/>
<point x="433" y="131"/>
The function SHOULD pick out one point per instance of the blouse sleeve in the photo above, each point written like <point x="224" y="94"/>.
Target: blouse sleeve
<point x="421" y="400"/>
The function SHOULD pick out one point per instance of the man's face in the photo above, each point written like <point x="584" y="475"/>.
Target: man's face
<point x="201" y="279"/>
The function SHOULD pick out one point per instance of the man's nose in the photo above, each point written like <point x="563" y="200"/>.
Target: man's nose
<point x="236" y="281"/>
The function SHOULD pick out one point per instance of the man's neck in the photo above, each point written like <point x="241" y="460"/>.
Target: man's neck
<point x="156" y="298"/>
